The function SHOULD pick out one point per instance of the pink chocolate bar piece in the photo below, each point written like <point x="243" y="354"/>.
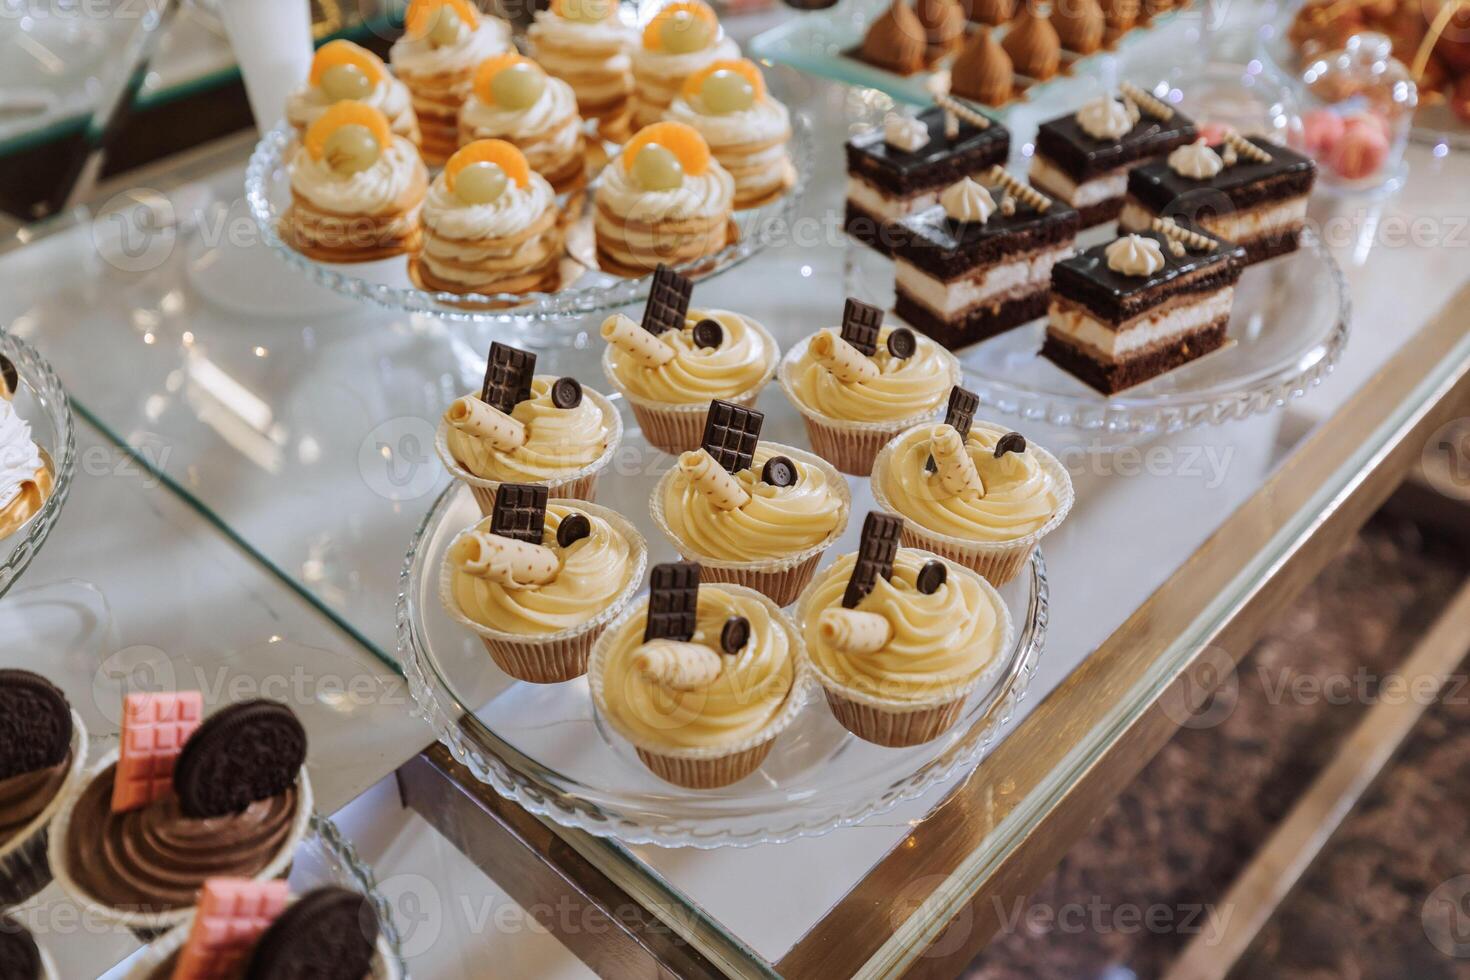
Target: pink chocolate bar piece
<point x="155" y="728"/>
<point x="232" y="914"/>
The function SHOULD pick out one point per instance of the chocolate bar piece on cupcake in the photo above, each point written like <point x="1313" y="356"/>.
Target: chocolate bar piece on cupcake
<point x="1146" y="303"/>
<point x="1246" y="190"/>
<point x="902" y="167"/>
<point x="980" y="262"/>
<point x="1083" y="159"/>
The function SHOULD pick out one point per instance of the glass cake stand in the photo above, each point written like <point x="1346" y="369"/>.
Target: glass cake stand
<point x="42" y="402"/>
<point x="585" y="290"/>
<point x="1288" y="327"/>
<point x="544" y="746"/>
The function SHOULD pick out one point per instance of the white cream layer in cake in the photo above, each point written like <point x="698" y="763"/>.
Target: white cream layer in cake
<point x="1015" y="275"/>
<point x="1149" y="329"/>
<point x="1241" y="226"/>
<point x="1048" y="177"/>
<point x="883" y="206"/>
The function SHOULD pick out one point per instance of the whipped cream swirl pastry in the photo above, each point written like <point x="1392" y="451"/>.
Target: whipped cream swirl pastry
<point x="747" y="130"/>
<point x="833" y="379"/>
<point x="515" y="100"/>
<point x="25" y="479"/>
<point x="679" y="367"/>
<point x="1105" y="118"/>
<point x="1135" y="255"/>
<point x="546" y="439"/>
<point x="681" y="39"/>
<point x="343" y="71"/>
<point x="584" y="43"/>
<point x="1197" y="161"/>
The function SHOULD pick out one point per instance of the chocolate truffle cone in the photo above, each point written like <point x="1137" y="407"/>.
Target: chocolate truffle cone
<point x="1032" y="43"/>
<point x="1119" y="16"/>
<point x="895" y="41"/>
<point x="1079" y="24"/>
<point x="983" y="71"/>
<point x="992" y="12"/>
<point x="944" y="26"/>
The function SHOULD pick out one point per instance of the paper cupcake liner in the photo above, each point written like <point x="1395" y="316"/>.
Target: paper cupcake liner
<point x="678" y="427"/>
<point x="25" y="868"/>
<point x="779" y="579"/>
<point x="999" y="561"/>
<point x="706" y="766"/>
<point x="899" y="723"/>
<point x="384" y="965"/>
<point x="151" y="924"/>
<point x="552" y="657"/>
<point x="578" y="484"/>
<point x="852" y="446"/>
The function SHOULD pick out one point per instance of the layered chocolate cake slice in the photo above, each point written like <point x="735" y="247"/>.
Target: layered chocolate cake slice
<point x="902" y="167"/>
<point x="1084" y="159"/>
<point x="1249" y="191"/>
<point x="979" y="262"/>
<point x="1146" y="303"/>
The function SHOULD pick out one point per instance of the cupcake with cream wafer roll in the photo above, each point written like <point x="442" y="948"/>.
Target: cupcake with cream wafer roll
<point x="491" y="225"/>
<point x="681" y="39"/>
<point x="528" y="428"/>
<point x="345" y="72"/>
<point x="539" y="580"/>
<point x="754" y="513"/>
<point x="747" y="130"/>
<point x="974" y="492"/>
<point x="673" y="364"/>
<point x="444" y="41"/>
<point x="859" y="386"/>
<point x="513" y="99"/>
<point x="356" y="189"/>
<point x="584" y="43"/>
<point x="700" y="678"/>
<point x="900" y="638"/>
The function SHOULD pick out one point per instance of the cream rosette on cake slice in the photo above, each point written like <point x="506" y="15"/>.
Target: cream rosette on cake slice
<point x="491" y="225"/>
<point x="356" y="189"/>
<point x="345" y="72"/>
<point x="516" y="101"/>
<point x="26" y="472"/>
<point x="664" y="200"/>
<point x="747" y="130"/>
<point x="444" y="41"/>
<point x="681" y="39"/>
<point x="583" y="43"/>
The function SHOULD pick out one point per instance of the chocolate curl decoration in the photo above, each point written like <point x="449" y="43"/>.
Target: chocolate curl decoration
<point x="646" y="348"/>
<point x="846" y="362"/>
<point x="476" y="418"/>
<point x="957" y="473"/>
<point x="852" y="631"/>
<point x="711" y="479"/>
<point x="678" y="664"/>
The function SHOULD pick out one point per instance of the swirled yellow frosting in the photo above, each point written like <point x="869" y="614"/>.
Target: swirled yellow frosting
<point x="695" y="375"/>
<point x="558" y="440"/>
<point x="750" y="690"/>
<point x="594" y="572"/>
<point x="937" y="643"/>
<point x="775" y="521"/>
<point x="903" y="388"/>
<point x="1019" y="494"/>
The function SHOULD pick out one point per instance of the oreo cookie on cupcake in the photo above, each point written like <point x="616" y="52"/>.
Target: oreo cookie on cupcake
<point x="21" y="957"/>
<point x="43" y="749"/>
<point x="254" y="930"/>
<point x="182" y="800"/>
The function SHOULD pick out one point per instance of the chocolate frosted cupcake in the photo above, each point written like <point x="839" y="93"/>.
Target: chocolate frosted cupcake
<point x="43" y="752"/>
<point x="528" y="428"/>
<point x="255" y="931"/>
<point x="182" y="801"/>
<point x="21" y="957"/>
<point x="754" y="513"/>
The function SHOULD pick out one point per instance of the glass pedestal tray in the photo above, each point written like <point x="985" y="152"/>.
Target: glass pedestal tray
<point x="1288" y="327"/>
<point x="41" y="401"/>
<point x="544" y="746"/>
<point x="585" y="289"/>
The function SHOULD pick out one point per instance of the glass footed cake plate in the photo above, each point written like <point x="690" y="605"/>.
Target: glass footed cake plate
<point x="1288" y="327"/>
<point x="543" y="745"/>
<point x="585" y="289"/>
<point x="42" y="402"/>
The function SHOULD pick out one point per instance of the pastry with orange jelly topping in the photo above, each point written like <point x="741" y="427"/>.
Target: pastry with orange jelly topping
<point x="443" y="42"/>
<point x="747" y="130"/>
<point x="490" y="225"/>
<point x="516" y="101"/>
<point x="343" y="72"/>
<point x="583" y="43"/>
<point x="682" y="38"/>
<point x="664" y="199"/>
<point x="356" y="188"/>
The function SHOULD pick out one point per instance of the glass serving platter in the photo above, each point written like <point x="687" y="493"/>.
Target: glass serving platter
<point x="1288" y="327"/>
<point x="585" y="290"/>
<point x="42" y="402"/>
<point x="544" y="746"/>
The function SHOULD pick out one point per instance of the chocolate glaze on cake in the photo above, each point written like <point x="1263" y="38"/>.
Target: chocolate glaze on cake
<point x="935" y="165"/>
<point x="1081" y="157"/>
<point x="948" y="249"/>
<point x="1244" y="185"/>
<point x="1115" y="298"/>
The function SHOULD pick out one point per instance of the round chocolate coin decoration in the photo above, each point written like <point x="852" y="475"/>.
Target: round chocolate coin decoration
<point x="708" y="333"/>
<point x="735" y="634"/>
<point x="902" y="343"/>
<point x="566" y="393"/>
<point x="35" y="723"/>
<point x="573" y="528"/>
<point x="326" y="934"/>
<point x="1011" y="442"/>
<point x="931" y="577"/>
<point x="249" y="751"/>
<point x="20" y="958"/>
<point x="779" y="472"/>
